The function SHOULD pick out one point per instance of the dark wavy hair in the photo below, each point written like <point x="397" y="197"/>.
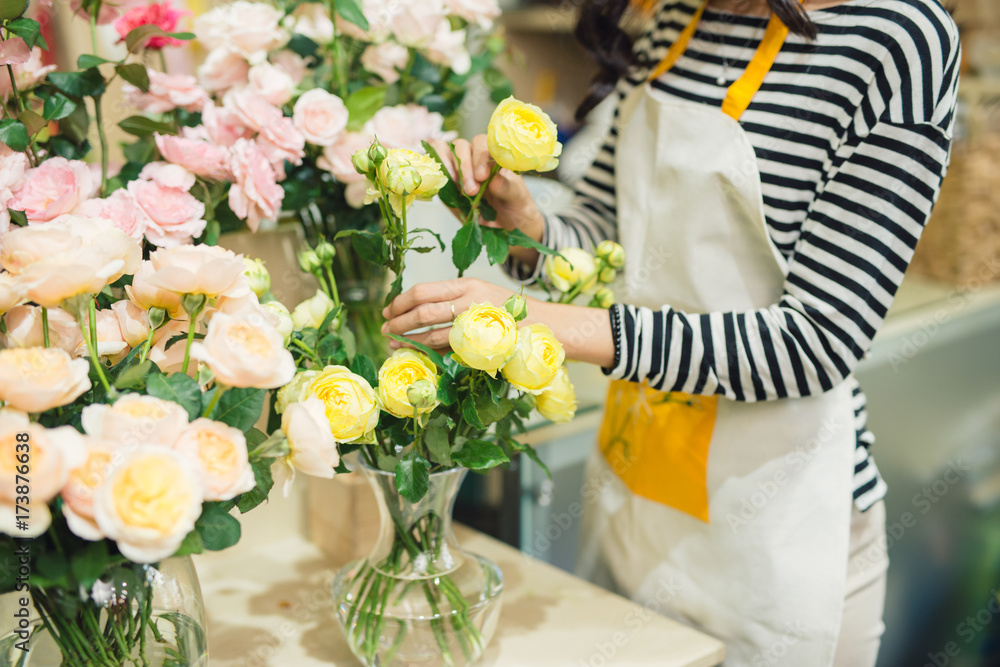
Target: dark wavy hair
<point x="599" y="31"/>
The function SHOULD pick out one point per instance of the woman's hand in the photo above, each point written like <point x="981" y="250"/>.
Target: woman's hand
<point x="584" y="332"/>
<point x="507" y="193"/>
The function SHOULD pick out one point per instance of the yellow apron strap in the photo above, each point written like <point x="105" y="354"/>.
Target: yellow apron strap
<point x="743" y="90"/>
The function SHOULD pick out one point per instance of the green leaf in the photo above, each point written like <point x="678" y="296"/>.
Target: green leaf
<point x="466" y="246"/>
<point x="30" y="31"/>
<point x="134" y="376"/>
<point x="370" y="247"/>
<point x="395" y="289"/>
<point x="136" y="74"/>
<point x="450" y="195"/>
<point x="490" y="411"/>
<point x="302" y="45"/>
<point x="447" y="390"/>
<point x="522" y="240"/>
<point x="141" y="126"/>
<point x="89" y="563"/>
<point x="180" y="389"/>
<point x="219" y="530"/>
<point x="58" y="106"/>
<point x="412" y="477"/>
<point x="76" y="125"/>
<point x="50" y="566"/>
<point x="240" y="407"/>
<point x="433" y="354"/>
<point x="497" y="247"/>
<point x="423" y="230"/>
<point x="86" y="61"/>
<point x="138" y="36"/>
<point x="192" y="544"/>
<point x="471" y="415"/>
<point x="479" y="455"/>
<point x="385" y="462"/>
<point x="18" y="217"/>
<point x="365" y="367"/>
<point x="350" y="11"/>
<point x="88" y="83"/>
<point x="14" y="134"/>
<point x="530" y="452"/>
<point x="264" y="482"/>
<point x="487" y="211"/>
<point x="436" y="439"/>
<point x="362" y="105"/>
<point x="33" y="123"/>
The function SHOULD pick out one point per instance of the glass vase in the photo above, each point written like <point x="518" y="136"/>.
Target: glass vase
<point x="135" y="615"/>
<point x="418" y="598"/>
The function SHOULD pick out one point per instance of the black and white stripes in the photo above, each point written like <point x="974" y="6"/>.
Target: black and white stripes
<point x="852" y="134"/>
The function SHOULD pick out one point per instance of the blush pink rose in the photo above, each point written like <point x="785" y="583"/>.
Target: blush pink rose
<point x="223" y="69"/>
<point x="448" y="48"/>
<point x="480" y="12"/>
<point x="385" y="60"/>
<point x="222" y="126"/>
<point x="167" y="92"/>
<point x="250" y="28"/>
<point x="162" y="15"/>
<point x="405" y="126"/>
<point x="336" y="157"/>
<point x="27" y="75"/>
<point x="291" y="64"/>
<point x="281" y="141"/>
<point x="121" y="208"/>
<point x="175" y="216"/>
<point x="255" y="194"/>
<point x="168" y="175"/>
<point x="252" y="110"/>
<point x="54" y="188"/>
<point x="320" y="116"/>
<point x="313" y="20"/>
<point x="271" y="83"/>
<point x="13" y="51"/>
<point x="13" y="167"/>
<point x="202" y="158"/>
<point x="415" y="23"/>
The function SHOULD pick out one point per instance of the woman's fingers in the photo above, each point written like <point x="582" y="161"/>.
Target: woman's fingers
<point x="466" y="168"/>
<point x="481" y="158"/>
<point x="436" y="339"/>
<point x="441" y="148"/>
<point x="424" y="315"/>
<point x="437" y="292"/>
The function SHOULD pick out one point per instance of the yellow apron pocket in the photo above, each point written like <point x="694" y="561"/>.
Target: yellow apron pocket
<point x="657" y="443"/>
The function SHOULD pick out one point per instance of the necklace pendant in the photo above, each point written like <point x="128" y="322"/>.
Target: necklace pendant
<point x="721" y="80"/>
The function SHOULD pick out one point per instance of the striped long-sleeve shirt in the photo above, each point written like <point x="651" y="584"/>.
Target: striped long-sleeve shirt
<point x="852" y="134"/>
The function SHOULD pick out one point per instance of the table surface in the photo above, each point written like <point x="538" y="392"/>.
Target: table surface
<point x="271" y="605"/>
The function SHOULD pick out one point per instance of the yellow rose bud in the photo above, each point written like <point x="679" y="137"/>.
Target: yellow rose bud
<point x="604" y="298"/>
<point x="351" y="408"/>
<point x="407" y="176"/>
<point x="312" y="311"/>
<point x="257" y="275"/>
<point x="558" y="401"/>
<point x="517" y="306"/>
<point x="521" y="137"/>
<point x="570" y="268"/>
<point x="308" y="261"/>
<point x="325" y="252"/>
<point x="422" y="395"/>
<point x="398" y="374"/>
<point x="483" y="337"/>
<point x="362" y="164"/>
<point x="607" y="275"/>
<point x="612" y="253"/>
<point x="537" y="358"/>
<point x="377" y="153"/>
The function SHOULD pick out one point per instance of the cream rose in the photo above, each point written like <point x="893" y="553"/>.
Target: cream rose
<point x="312" y="311"/>
<point x="146" y="295"/>
<point x="171" y="359"/>
<point x="397" y="373"/>
<point x="481" y="12"/>
<point x="35" y="379"/>
<point x="537" y="358"/>
<point x="78" y="492"/>
<point x="312" y="19"/>
<point x="272" y="83"/>
<point x="483" y="337"/>
<point x="385" y="60"/>
<point x="110" y="342"/>
<point x="558" y="401"/>
<point x="320" y="116"/>
<point x="223" y="68"/>
<point x="245" y="352"/>
<point x="249" y="28"/>
<point x="572" y="269"/>
<point x="24" y="329"/>
<point x="149" y="503"/>
<point x="521" y="137"/>
<point x="312" y="447"/>
<point x="220" y="454"/>
<point x="135" y="419"/>
<point x="351" y="408"/>
<point x="196" y="269"/>
<point x="133" y="322"/>
<point x="11" y="292"/>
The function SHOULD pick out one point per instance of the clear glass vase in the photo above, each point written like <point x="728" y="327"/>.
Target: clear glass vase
<point x="136" y="615"/>
<point x="418" y="598"/>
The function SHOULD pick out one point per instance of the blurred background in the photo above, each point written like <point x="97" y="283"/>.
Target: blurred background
<point x="932" y="378"/>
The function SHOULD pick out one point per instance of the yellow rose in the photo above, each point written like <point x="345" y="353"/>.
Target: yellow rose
<point x="570" y="268"/>
<point x="399" y="371"/>
<point x="407" y="176"/>
<point x="612" y="253"/>
<point x="537" y="358"/>
<point x="35" y="379"/>
<point x="312" y="311"/>
<point x="483" y="337"/>
<point x="558" y="401"/>
<point x="351" y="408"/>
<point x="521" y="137"/>
<point x="294" y="391"/>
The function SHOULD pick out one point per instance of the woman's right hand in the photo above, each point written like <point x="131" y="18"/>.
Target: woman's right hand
<point x="507" y="193"/>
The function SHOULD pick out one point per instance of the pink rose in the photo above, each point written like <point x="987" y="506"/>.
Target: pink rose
<point x="222" y="126"/>
<point x="175" y="216"/>
<point x="378" y="13"/>
<point x="385" y="60"/>
<point x="252" y="110"/>
<point x="55" y="187"/>
<point x="405" y="126"/>
<point x="336" y="157"/>
<point x="255" y="194"/>
<point x="162" y="15"/>
<point x="122" y="209"/>
<point x="313" y="21"/>
<point x="320" y="116"/>
<point x="202" y="158"/>
<point x="167" y="92"/>
<point x="280" y="141"/>
<point x="291" y="64"/>
<point x="28" y="75"/>
<point x="13" y="51"/>
<point x="416" y="23"/>
<point x="223" y="69"/>
<point x="252" y="29"/>
<point x="448" y="48"/>
<point x="12" y="170"/>
<point x="168" y="175"/>
<point x="481" y="12"/>
<point x="271" y="83"/>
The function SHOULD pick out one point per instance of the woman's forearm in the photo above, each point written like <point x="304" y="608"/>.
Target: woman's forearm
<point x="585" y="333"/>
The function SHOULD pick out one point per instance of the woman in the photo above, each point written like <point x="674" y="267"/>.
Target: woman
<point x="769" y="185"/>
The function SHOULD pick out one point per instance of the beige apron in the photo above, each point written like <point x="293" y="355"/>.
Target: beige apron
<point x="731" y="516"/>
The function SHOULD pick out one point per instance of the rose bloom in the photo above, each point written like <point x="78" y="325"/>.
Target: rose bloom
<point x="162" y="15"/>
<point x="320" y="116"/>
<point x="13" y="167"/>
<point x="220" y="454"/>
<point x="281" y="141"/>
<point x="135" y="419"/>
<point x="480" y="12"/>
<point x="378" y="14"/>
<point x="572" y="267"/>
<point x="202" y="158"/>
<point x="537" y="358"/>
<point x="11" y="292"/>
<point x="396" y="175"/>
<point x="133" y="322"/>
<point x="278" y="317"/>
<point x="336" y="157"/>
<point x="149" y="503"/>
<point x="196" y="269"/>
<point x="415" y="23"/>
<point x="255" y="194"/>
<point x="312" y="311"/>
<point x="351" y="408"/>
<point x="448" y="48"/>
<point x="222" y="70"/>
<point x="252" y="110"/>
<point x="245" y="352"/>
<point x="121" y="208"/>
<point x="36" y="379"/>
<point x="27" y="75"/>
<point x="53" y="453"/>
<point x="55" y="187"/>
<point x="14" y="51"/>
<point x="175" y="215"/>
<point x="483" y="337"/>
<point x="24" y="329"/>
<point x="166" y="93"/>
<point x="272" y="83"/>
<point x="146" y="295"/>
<point x="78" y="491"/>
<point x="397" y="373"/>
<point x="405" y="126"/>
<point x="291" y="64"/>
<point x="558" y="401"/>
<point x="521" y="137"/>
<point x="110" y="342"/>
<point x="251" y="29"/>
<point x="23" y="246"/>
<point x="312" y="20"/>
<point x="294" y="391"/>
<point x="312" y="448"/>
<point x="385" y="60"/>
<point x="222" y="126"/>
